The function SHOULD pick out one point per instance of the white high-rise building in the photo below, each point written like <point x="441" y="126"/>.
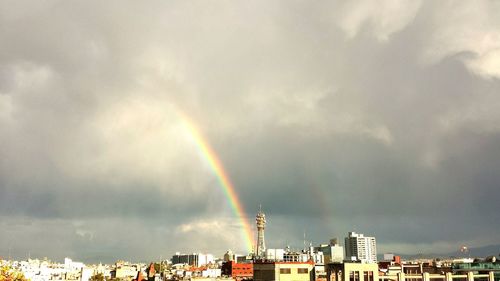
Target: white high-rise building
<point x="360" y="248"/>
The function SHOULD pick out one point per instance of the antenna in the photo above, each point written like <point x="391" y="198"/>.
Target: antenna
<point x="304" y="240"/>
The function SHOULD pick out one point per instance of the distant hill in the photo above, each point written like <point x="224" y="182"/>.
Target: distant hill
<point x="479" y="252"/>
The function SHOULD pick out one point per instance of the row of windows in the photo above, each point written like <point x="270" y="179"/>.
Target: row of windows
<point x="289" y="270"/>
<point x="354" y="276"/>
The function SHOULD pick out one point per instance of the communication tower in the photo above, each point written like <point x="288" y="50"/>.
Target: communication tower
<point x="261" y="224"/>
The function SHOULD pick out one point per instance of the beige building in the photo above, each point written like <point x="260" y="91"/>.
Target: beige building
<point x="125" y="272"/>
<point x="283" y="271"/>
<point x="352" y="272"/>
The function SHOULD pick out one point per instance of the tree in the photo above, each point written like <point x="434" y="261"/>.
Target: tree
<point x="10" y="274"/>
<point x="98" y="277"/>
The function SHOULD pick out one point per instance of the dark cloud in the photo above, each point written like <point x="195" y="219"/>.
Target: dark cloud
<point x="334" y="116"/>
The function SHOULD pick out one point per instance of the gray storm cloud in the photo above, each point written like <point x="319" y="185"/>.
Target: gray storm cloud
<point x="334" y="116"/>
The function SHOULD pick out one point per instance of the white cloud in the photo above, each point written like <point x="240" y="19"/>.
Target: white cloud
<point x="383" y="18"/>
<point x="486" y="64"/>
<point x="466" y="27"/>
<point x="305" y="111"/>
<point x="139" y="140"/>
<point x="6" y="108"/>
<point x="222" y="231"/>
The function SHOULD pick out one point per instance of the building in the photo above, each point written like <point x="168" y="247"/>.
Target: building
<point x="291" y="256"/>
<point x="333" y="252"/>
<point x="283" y="271"/>
<point x="360" y="248"/>
<point x="238" y="271"/>
<point x="69" y="264"/>
<point x="195" y="259"/>
<point x="480" y="267"/>
<point x="244" y="259"/>
<point x="125" y="270"/>
<point x="352" y="272"/>
<point x="229" y="256"/>
<point x="275" y="254"/>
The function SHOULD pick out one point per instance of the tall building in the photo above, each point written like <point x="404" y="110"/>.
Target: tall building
<point x="360" y="248"/>
<point x="261" y="243"/>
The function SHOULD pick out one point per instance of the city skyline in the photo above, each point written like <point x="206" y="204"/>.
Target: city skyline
<point x="131" y="130"/>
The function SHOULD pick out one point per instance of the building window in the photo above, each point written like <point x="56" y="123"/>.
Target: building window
<point x="368" y="275"/>
<point x="353" y="276"/>
<point x="302" y="270"/>
<point x="285" y="271"/>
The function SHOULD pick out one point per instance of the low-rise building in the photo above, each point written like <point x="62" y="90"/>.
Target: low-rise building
<point x="238" y="271"/>
<point x="352" y="272"/>
<point x="195" y="259"/>
<point x="283" y="271"/>
<point x="124" y="270"/>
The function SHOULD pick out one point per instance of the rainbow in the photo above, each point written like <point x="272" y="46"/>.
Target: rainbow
<point x="227" y="186"/>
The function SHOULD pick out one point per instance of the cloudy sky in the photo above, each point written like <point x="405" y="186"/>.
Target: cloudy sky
<point x="379" y="117"/>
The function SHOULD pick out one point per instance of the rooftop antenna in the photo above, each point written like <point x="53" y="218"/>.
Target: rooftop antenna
<point x="304" y="241"/>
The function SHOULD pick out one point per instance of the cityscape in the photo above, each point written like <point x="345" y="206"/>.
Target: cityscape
<point x="355" y="260"/>
<point x="249" y="140"/>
